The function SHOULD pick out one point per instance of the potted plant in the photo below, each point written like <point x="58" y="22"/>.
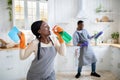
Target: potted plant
<point x="9" y="7"/>
<point x="115" y="37"/>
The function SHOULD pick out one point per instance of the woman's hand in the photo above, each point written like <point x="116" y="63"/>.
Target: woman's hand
<point x="22" y="40"/>
<point x="57" y="29"/>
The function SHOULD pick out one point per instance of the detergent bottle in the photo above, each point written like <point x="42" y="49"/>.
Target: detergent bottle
<point x="65" y="36"/>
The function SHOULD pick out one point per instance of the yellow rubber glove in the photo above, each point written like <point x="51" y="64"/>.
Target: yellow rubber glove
<point x="57" y="29"/>
<point x="22" y="40"/>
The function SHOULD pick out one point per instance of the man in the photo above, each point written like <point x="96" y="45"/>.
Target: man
<point x="81" y="38"/>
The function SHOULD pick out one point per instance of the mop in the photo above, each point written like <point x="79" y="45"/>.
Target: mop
<point x="85" y="43"/>
<point x="101" y="32"/>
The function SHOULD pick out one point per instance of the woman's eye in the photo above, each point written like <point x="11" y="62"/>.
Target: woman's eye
<point x="45" y="25"/>
<point x="46" y="29"/>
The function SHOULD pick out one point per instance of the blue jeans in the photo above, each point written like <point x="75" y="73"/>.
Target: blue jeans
<point x="93" y="67"/>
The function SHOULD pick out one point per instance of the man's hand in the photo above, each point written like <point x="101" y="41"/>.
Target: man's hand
<point x="84" y="44"/>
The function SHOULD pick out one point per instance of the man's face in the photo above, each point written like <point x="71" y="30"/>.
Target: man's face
<point x="80" y="26"/>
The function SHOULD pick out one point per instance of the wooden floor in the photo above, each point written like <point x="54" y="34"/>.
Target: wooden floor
<point x="105" y="75"/>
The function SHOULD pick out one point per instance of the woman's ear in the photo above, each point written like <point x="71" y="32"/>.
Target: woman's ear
<point x="39" y="31"/>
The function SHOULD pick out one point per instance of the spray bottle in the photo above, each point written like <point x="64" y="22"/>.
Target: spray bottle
<point x="66" y="37"/>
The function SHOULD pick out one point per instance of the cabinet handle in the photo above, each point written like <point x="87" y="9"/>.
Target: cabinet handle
<point x="10" y="68"/>
<point x="9" y="56"/>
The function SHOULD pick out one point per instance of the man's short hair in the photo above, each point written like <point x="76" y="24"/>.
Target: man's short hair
<point x="79" y="22"/>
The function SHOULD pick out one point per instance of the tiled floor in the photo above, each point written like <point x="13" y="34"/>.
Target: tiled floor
<point x="85" y="75"/>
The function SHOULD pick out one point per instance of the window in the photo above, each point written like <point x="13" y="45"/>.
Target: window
<point x="43" y="11"/>
<point x="28" y="11"/>
<point x="19" y="13"/>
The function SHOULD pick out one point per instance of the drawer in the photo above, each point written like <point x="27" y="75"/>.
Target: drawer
<point x="7" y="73"/>
<point x="11" y="73"/>
<point x="8" y="57"/>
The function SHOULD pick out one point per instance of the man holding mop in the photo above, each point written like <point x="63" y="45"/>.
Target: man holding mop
<point x="81" y="38"/>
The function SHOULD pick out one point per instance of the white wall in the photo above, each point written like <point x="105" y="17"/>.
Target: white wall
<point x="64" y="12"/>
<point x="92" y="15"/>
<point x="119" y="22"/>
<point x="61" y="11"/>
<point x="70" y="24"/>
<point x="5" y="24"/>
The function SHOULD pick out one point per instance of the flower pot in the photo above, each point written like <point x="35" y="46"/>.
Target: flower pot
<point x="115" y="41"/>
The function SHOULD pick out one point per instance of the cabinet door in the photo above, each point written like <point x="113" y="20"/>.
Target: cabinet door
<point x="10" y="67"/>
<point x="115" y="61"/>
<point x="67" y="63"/>
<point x="103" y="56"/>
<point x="8" y="64"/>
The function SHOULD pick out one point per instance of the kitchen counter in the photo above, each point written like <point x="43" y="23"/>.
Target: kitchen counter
<point x="104" y="44"/>
<point x="113" y="45"/>
<point x="12" y="48"/>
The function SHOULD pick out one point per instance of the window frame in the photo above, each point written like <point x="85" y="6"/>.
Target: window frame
<point x="37" y="17"/>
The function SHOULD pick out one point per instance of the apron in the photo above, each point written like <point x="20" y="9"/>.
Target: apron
<point x="87" y="55"/>
<point x="43" y="68"/>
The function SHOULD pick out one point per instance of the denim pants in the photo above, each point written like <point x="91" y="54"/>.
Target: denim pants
<point x="93" y="67"/>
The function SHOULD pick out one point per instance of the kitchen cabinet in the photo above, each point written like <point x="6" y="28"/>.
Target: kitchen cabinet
<point x="11" y="67"/>
<point x="103" y="56"/>
<point x="70" y="61"/>
<point x="115" y="61"/>
<point x="67" y="62"/>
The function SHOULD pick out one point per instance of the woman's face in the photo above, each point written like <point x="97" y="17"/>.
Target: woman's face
<point x="44" y="29"/>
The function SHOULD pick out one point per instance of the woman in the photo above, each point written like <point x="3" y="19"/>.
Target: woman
<point x="45" y="48"/>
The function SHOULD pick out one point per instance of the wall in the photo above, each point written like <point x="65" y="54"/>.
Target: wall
<point x="64" y="12"/>
<point x="119" y="23"/>
<point x="5" y="24"/>
<point x="90" y="23"/>
<point x="92" y="26"/>
<point x="61" y="11"/>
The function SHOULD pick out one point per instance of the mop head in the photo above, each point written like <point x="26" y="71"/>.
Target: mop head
<point x="99" y="34"/>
